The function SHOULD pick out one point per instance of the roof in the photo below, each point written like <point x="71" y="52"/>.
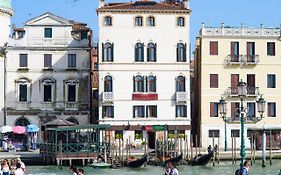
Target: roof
<point x="59" y="122"/>
<point x="144" y="6"/>
<point x="80" y="127"/>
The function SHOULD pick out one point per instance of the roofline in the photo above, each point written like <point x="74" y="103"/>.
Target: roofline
<point x="63" y="19"/>
<point x="185" y="11"/>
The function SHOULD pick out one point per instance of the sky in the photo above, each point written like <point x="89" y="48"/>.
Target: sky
<point x="252" y="13"/>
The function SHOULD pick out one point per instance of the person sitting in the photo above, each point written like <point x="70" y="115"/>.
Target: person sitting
<point x="171" y="169"/>
<point x="244" y="170"/>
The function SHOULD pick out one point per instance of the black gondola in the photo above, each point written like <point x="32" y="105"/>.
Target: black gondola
<point x="136" y="163"/>
<point x="201" y="160"/>
<point x="175" y="160"/>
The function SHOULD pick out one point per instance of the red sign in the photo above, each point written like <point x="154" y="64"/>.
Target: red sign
<point x="148" y="128"/>
<point x="145" y="97"/>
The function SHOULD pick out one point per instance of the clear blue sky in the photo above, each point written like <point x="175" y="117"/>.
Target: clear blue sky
<point x="212" y="12"/>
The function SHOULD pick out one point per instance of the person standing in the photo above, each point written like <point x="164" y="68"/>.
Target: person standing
<point x="19" y="170"/>
<point x="21" y="163"/>
<point x="5" y="168"/>
<point x="13" y="167"/>
<point x="245" y="169"/>
<point x="80" y="172"/>
<point x="73" y="169"/>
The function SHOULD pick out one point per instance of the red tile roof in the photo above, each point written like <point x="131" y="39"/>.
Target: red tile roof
<point x="143" y="6"/>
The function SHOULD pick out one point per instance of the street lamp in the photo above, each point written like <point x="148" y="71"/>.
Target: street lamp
<point x="222" y="110"/>
<point x="261" y="106"/>
<point x="3" y="53"/>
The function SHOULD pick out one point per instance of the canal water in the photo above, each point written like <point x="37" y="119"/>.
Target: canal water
<point x="225" y="168"/>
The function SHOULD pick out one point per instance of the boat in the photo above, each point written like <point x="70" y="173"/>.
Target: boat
<point x="136" y="163"/>
<point x="100" y="165"/>
<point x="201" y="160"/>
<point x="175" y="160"/>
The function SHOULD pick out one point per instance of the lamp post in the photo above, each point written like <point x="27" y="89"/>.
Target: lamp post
<point x="222" y="111"/>
<point x="3" y="53"/>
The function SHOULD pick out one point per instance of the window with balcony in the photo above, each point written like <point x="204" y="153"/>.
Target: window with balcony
<point x="71" y="60"/>
<point x="181" y="52"/>
<point x="214" y="133"/>
<point x="138" y="21"/>
<point x="181" y="21"/>
<point x="107" y="52"/>
<point x="138" y="111"/>
<point x="271" y="81"/>
<point x="151" y="52"/>
<point x="47" y="60"/>
<point x="23" y="60"/>
<point x="251" y="84"/>
<point x="71" y="93"/>
<point x="108" y="112"/>
<point x="151" y="111"/>
<point x="181" y="111"/>
<point x="48" y="84"/>
<point x="48" y="32"/>
<point x="214" y="80"/>
<point x="271" y="109"/>
<point x="151" y="83"/>
<point x="214" y="49"/>
<point x="234" y="53"/>
<point x="251" y="52"/>
<point x="47" y="93"/>
<point x="138" y="84"/>
<point x="180" y="84"/>
<point x="23" y="89"/>
<point x="214" y="109"/>
<point x="251" y="106"/>
<point x="234" y="83"/>
<point x="151" y="21"/>
<point x="108" y="21"/>
<point x="271" y="49"/>
<point x="72" y="86"/>
<point x="234" y="111"/>
<point x="108" y="85"/>
<point x="139" y="52"/>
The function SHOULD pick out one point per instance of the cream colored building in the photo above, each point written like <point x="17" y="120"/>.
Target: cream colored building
<point x="223" y="57"/>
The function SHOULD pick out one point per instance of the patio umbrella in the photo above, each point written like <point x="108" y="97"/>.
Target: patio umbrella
<point x="32" y="128"/>
<point x="19" y="130"/>
<point x="6" y="129"/>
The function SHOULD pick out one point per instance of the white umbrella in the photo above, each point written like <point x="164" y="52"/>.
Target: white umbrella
<point x="6" y="129"/>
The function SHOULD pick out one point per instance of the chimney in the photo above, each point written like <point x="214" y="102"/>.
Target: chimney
<point x="186" y="4"/>
<point x="101" y="3"/>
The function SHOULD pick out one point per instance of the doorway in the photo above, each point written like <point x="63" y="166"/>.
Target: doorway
<point x="151" y="140"/>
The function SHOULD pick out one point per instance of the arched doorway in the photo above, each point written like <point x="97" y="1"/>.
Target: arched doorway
<point x="22" y="122"/>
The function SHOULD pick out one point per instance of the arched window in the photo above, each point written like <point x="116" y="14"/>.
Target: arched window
<point x="151" y="84"/>
<point x="48" y="85"/>
<point x="138" y="21"/>
<point x="151" y="52"/>
<point x="22" y="122"/>
<point x="181" y="21"/>
<point x="72" y="86"/>
<point x="107" y="52"/>
<point x="73" y="120"/>
<point x="151" y="21"/>
<point x="180" y="84"/>
<point x="23" y="86"/>
<point x="108" y="21"/>
<point x="181" y="52"/>
<point x="138" y="84"/>
<point x="139" y="52"/>
<point x="108" y="86"/>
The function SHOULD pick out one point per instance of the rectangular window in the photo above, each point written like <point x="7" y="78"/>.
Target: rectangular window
<point x="251" y="52"/>
<point x="214" y="109"/>
<point x="234" y="52"/>
<point x="47" y="93"/>
<point x="22" y="92"/>
<point x="72" y="60"/>
<point x="235" y="133"/>
<point x="214" y="80"/>
<point x="138" y="135"/>
<point x="108" y="112"/>
<point x="271" y="49"/>
<point x="151" y="111"/>
<point x="181" y="111"/>
<point x="71" y="93"/>
<point x="48" y="33"/>
<point x="251" y="110"/>
<point x="271" y="81"/>
<point x="251" y="83"/>
<point x="84" y="35"/>
<point x="138" y="21"/>
<point x="214" y="133"/>
<point x="138" y="111"/>
<point x="23" y="60"/>
<point x="234" y="111"/>
<point x="271" y="108"/>
<point x="234" y="83"/>
<point x="47" y="60"/>
<point x="214" y="50"/>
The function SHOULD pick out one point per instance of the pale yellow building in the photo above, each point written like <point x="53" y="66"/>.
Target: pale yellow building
<point x="223" y="57"/>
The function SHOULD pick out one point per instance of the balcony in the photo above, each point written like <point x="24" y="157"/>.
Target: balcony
<point x="47" y="106"/>
<point x="71" y="106"/>
<point x="251" y="91"/>
<point x="234" y="59"/>
<point x="145" y="96"/>
<point x="251" y="59"/>
<point x="23" y="105"/>
<point x="107" y="97"/>
<point x="181" y="97"/>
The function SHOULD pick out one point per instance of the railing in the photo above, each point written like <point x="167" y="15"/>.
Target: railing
<point x="48" y="105"/>
<point x="251" y="91"/>
<point x="236" y="119"/>
<point x="107" y="97"/>
<point x="242" y="59"/>
<point x="181" y="96"/>
<point x="234" y="59"/>
<point x="23" y="105"/>
<point x="252" y="59"/>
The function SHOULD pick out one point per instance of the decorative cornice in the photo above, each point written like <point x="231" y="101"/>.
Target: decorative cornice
<point x="9" y="11"/>
<point x="187" y="11"/>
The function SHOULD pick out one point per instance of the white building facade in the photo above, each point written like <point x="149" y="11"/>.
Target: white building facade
<point x="144" y="69"/>
<point x="47" y="72"/>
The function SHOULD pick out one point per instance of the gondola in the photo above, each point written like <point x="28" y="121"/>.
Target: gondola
<point x="136" y="163"/>
<point x="175" y="160"/>
<point x="201" y="160"/>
